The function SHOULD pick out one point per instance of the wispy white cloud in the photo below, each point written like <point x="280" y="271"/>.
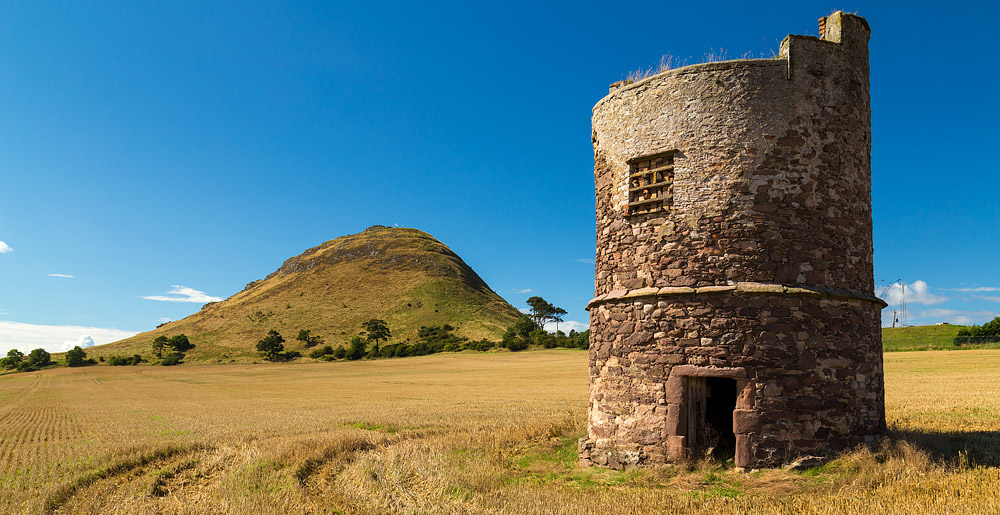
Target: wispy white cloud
<point x="584" y="260"/>
<point x="55" y="338"/>
<point x="973" y="290"/>
<point x="62" y="275"/>
<point x="951" y="316"/>
<point x="163" y="320"/>
<point x="4" y="248"/>
<point x="525" y="290"/>
<point x="566" y="326"/>
<point x="917" y="292"/>
<point x="986" y="297"/>
<point x="4" y="312"/>
<point x="184" y="294"/>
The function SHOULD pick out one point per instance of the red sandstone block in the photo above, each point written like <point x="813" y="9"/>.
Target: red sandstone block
<point x="746" y="421"/>
<point x="676" y="419"/>
<point x="677" y="446"/>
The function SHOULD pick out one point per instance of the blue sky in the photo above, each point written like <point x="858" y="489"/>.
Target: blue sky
<point x="191" y="147"/>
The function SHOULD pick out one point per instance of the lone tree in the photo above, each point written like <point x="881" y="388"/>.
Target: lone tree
<point x="271" y="346"/>
<point x="161" y="342"/>
<point x="376" y="330"/>
<point x="308" y="341"/>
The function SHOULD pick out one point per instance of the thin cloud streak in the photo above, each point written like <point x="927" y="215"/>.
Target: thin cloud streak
<point x="184" y="294"/>
<point x="67" y="276"/>
<point x="4" y="248"/>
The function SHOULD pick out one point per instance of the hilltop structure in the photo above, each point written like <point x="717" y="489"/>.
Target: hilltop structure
<point x="734" y="310"/>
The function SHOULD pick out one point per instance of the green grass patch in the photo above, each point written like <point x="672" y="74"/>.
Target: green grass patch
<point x="369" y="426"/>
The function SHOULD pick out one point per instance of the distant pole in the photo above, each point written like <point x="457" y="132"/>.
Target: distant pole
<point x="902" y="305"/>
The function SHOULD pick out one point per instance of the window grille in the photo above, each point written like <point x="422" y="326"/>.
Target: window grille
<point x="651" y="184"/>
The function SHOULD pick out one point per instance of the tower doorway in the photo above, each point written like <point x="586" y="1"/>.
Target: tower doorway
<point x="711" y="401"/>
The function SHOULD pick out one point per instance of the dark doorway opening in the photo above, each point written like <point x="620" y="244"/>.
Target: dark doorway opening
<point x="711" y="401"/>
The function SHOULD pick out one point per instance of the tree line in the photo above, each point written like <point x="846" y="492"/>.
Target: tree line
<point x="372" y="341"/>
<point x="986" y="333"/>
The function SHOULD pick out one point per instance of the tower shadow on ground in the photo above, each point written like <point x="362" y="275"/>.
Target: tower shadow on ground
<point x="983" y="447"/>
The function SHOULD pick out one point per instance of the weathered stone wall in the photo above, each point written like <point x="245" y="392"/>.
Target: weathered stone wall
<point x="761" y="267"/>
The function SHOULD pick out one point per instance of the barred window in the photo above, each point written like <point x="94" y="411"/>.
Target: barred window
<point x="651" y="184"/>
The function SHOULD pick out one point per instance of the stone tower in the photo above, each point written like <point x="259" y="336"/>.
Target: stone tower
<point x="734" y="309"/>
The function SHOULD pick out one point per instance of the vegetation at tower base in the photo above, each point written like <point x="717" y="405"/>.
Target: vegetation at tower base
<point x="402" y="276"/>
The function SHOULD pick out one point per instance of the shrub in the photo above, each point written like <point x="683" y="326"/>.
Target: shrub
<point x="517" y="345"/>
<point x="180" y="343"/>
<point x="76" y="357"/>
<point x="122" y="361"/>
<point x="319" y="353"/>
<point x="340" y="353"/>
<point x="171" y="360"/>
<point x="356" y="349"/>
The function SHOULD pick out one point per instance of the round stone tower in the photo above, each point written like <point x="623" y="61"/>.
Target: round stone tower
<point x="734" y="311"/>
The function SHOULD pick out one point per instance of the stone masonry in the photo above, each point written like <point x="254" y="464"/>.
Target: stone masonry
<point x="734" y="306"/>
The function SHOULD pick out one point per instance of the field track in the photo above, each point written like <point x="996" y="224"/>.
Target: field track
<point x="451" y="433"/>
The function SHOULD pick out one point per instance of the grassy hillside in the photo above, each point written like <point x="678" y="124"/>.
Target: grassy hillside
<point x="926" y="337"/>
<point x="449" y="433"/>
<point x="403" y="276"/>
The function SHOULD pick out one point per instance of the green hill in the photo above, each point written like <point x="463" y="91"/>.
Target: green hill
<point x="922" y="337"/>
<point x="403" y="276"/>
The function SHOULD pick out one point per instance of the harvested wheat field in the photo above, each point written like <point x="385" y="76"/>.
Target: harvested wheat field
<point x="451" y="433"/>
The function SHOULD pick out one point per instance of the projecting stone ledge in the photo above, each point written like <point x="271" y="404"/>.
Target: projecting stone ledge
<point x="746" y="288"/>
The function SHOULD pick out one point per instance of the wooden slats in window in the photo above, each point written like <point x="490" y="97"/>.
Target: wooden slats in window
<point x="651" y="184"/>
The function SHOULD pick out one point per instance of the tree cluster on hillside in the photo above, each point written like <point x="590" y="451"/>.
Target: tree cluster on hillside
<point x="171" y="350"/>
<point x="432" y="340"/>
<point x="986" y="333"/>
<point x="34" y="360"/>
<point x="526" y="331"/>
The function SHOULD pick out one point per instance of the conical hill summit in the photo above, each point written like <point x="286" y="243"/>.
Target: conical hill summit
<point x="401" y="275"/>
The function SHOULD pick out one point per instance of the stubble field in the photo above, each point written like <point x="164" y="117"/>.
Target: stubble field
<point x="451" y="433"/>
